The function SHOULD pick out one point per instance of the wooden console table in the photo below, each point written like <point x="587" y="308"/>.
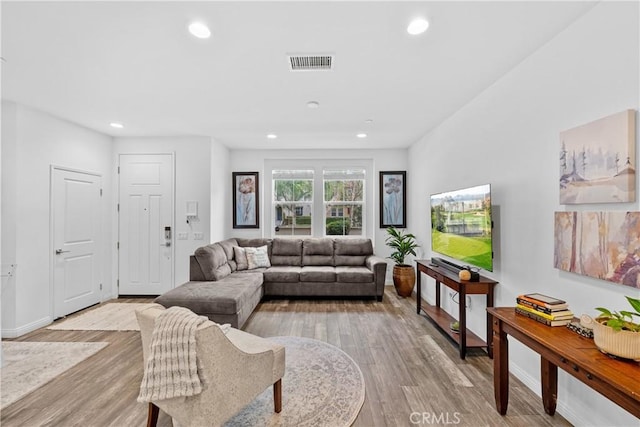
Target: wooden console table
<point x="559" y="347"/>
<point x="464" y="338"/>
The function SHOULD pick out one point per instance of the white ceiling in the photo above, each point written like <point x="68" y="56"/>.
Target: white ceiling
<point x="134" y="62"/>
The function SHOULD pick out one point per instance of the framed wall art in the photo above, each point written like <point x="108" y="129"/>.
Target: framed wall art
<point x="393" y="199"/>
<point x="603" y="245"/>
<point x="598" y="161"/>
<point x="245" y="200"/>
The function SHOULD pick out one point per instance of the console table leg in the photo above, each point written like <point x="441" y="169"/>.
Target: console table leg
<point x="489" y="317"/>
<point x="500" y="367"/>
<point x="418" y="291"/>
<point x="462" y="322"/>
<point x="549" y="378"/>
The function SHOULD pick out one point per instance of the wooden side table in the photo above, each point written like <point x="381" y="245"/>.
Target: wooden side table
<point x="559" y="347"/>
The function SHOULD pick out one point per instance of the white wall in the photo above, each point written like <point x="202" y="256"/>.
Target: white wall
<point x="192" y="183"/>
<point x="220" y="191"/>
<point x="508" y="136"/>
<point x="382" y="160"/>
<point x="32" y="141"/>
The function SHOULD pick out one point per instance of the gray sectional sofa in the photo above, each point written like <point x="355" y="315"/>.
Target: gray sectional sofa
<point x="222" y="290"/>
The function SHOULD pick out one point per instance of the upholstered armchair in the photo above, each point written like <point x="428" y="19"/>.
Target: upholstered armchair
<point x="234" y="368"/>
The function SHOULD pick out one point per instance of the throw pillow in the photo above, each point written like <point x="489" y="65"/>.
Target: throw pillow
<point x="257" y="257"/>
<point x="241" y="258"/>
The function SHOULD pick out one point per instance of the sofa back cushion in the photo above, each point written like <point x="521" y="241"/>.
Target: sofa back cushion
<point x="286" y="252"/>
<point x="228" y="245"/>
<point x="317" y="251"/>
<point x="213" y="262"/>
<point x="352" y="251"/>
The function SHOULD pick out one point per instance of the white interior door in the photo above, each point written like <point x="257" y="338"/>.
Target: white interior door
<point x="76" y="221"/>
<point x="146" y="224"/>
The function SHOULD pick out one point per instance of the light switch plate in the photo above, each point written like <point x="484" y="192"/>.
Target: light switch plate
<point x="198" y="235"/>
<point x="183" y="235"/>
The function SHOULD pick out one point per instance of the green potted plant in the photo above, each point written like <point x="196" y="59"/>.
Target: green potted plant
<point x="402" y="244"/>
<point x="617" y="332"/>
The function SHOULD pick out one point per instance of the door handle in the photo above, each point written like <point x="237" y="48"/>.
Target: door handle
<point x="167" y="244"/>
<point x="60" y="251"/>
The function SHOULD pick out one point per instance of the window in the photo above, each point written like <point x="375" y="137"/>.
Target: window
<point x="343" y="201"/>
<point x="336" y="211"/>
<point x="293" y="202"/>
<point x="318" y="197"/>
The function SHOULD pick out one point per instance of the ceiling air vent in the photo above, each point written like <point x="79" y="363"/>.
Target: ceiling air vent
<point x="310" y="62"/>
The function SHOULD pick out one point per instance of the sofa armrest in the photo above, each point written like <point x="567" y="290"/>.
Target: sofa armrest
<point x="378" y="266"/>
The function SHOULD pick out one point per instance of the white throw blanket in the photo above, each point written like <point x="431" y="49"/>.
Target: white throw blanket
<point x="171" y="369"/>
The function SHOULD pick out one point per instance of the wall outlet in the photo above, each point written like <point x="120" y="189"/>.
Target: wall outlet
<point x="198" y="235"/>
<point x="183" y="235"/>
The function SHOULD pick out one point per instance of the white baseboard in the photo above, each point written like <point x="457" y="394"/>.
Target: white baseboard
<point x="571" y="414"/>
<point x="25" y="329"/>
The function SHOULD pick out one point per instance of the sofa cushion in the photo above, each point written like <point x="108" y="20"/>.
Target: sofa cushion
<point x="213" y="262"/>
<point x="240" y="257"/>
<point x="290" y="274"/>
<point x="227" y="296"/>
<point x="286" y="252"/>
<point x="228" y="245"/>
<point x="318" y="273"/>
<point x="347" y="274"/>
<point x="317" y="251"/>
<point x="352" y="252"/>
<point x="257" y="257"/>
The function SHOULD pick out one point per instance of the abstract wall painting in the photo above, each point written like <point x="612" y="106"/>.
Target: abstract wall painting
<point x="604" y="245"/>
<point x="393" y="199"/>
<point x="598" y="161"/>
<point x="245" y="200"/>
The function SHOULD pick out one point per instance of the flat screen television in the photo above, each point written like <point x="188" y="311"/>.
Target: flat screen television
<point x="461" y="226"/>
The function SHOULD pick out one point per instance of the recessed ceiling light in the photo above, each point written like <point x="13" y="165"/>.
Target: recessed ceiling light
<point x="361" y="135"/>
<point x="199" y="30"/>
<point x="116" y="125"/>
<point x="272" y="136"/>
<point x="313" y="104"/>
<point x="418" y="26"/>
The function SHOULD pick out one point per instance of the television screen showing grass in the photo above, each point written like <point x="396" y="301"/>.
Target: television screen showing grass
<point x="461" y="225"/>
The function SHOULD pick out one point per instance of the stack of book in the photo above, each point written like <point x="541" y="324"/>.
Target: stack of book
<point x="544" y="309"/>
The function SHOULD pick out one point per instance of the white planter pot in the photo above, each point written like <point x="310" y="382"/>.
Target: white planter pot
<point x="618" y="343"/>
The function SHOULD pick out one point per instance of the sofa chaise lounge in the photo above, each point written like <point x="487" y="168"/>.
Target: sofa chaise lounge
<point x="226" y="290"/>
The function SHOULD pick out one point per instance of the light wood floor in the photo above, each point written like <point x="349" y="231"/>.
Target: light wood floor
<point x="408" y="366"/>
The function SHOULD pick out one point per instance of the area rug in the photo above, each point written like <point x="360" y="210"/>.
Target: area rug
<point x="113" y="316"/>
<point x="322" y="386"/>
<point x="29" y="365"/>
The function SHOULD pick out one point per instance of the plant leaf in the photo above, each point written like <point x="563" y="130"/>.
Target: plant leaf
<point x="635" y="303"/>
<point x="626" y="313"/>
<point x="604" y="311"/>
<point x="616" y="324"/>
